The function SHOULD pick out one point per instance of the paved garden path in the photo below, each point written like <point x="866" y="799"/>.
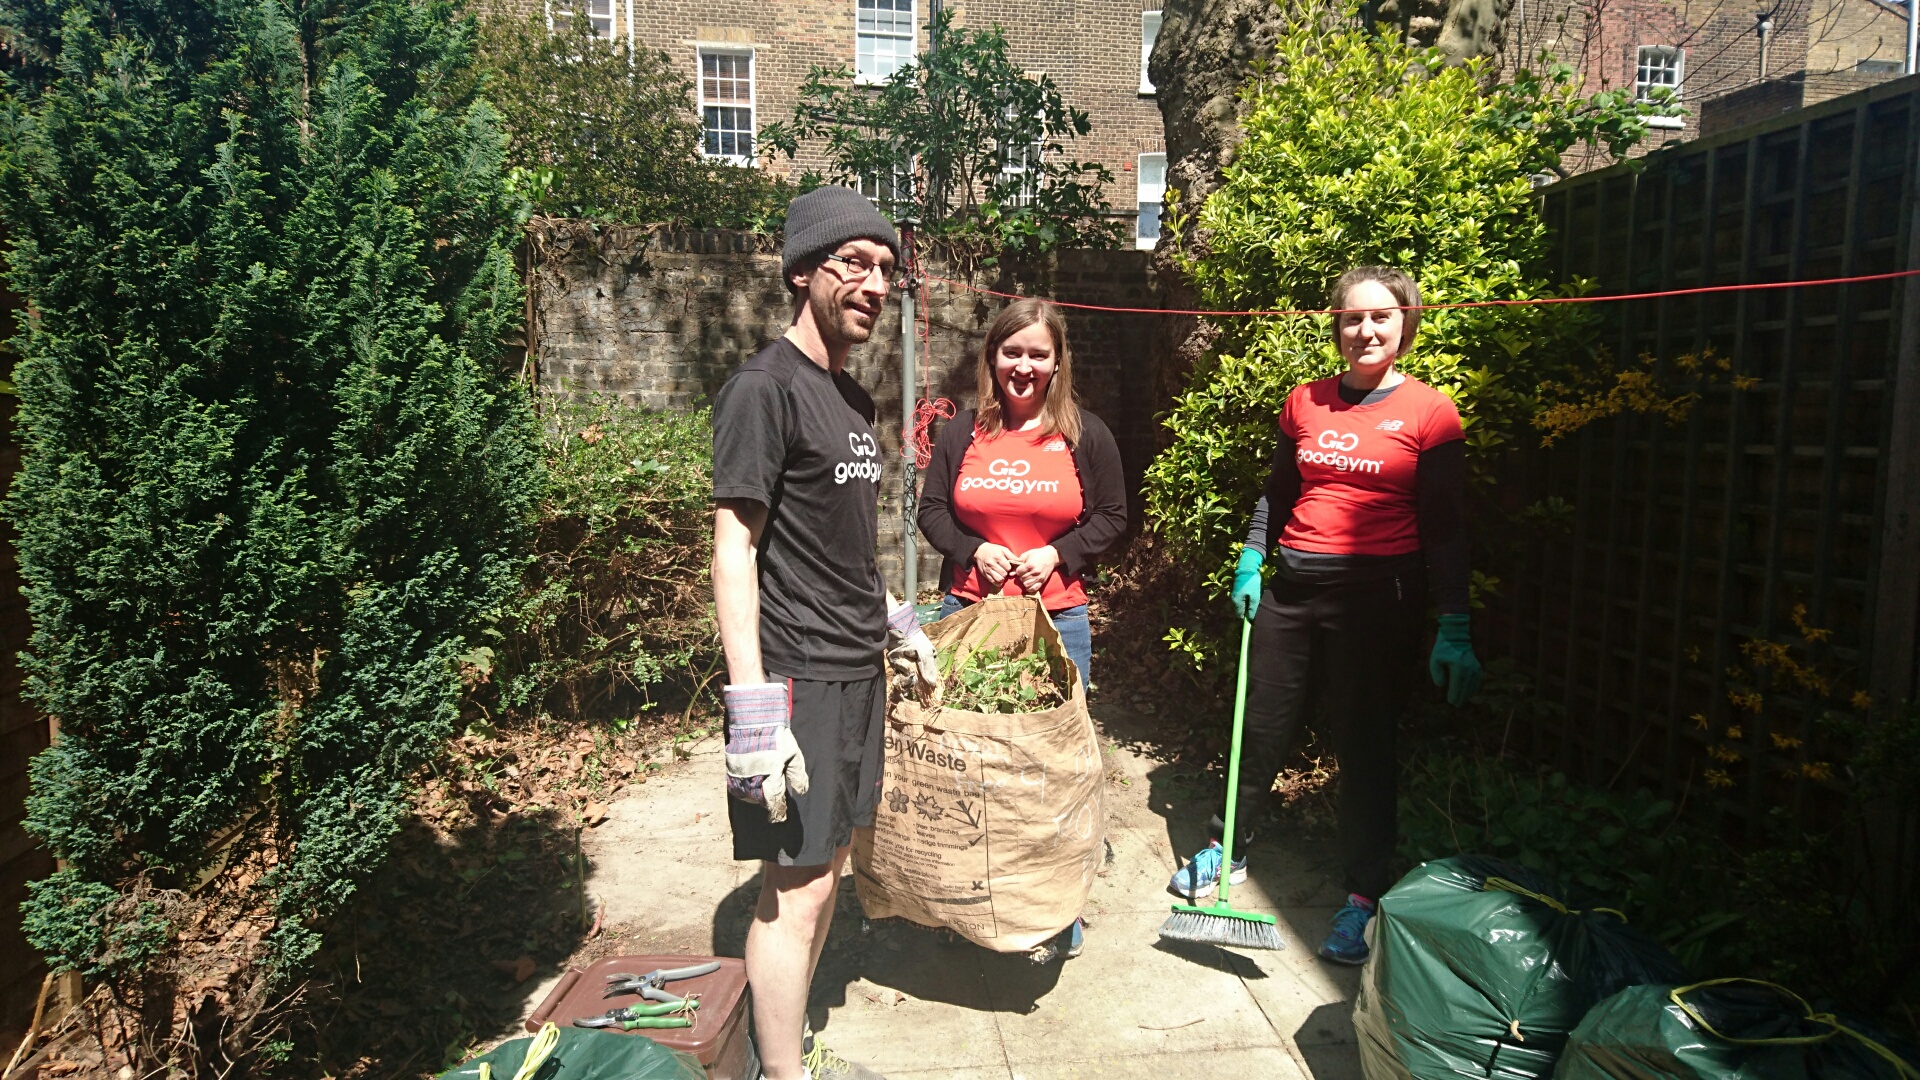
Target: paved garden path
<point x="904" y="1003"/>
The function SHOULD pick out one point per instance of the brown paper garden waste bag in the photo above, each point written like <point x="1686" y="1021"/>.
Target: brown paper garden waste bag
<point x="991" y="825"/>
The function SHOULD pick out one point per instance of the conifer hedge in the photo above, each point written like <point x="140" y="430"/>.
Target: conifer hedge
<point x="276" y="476"/>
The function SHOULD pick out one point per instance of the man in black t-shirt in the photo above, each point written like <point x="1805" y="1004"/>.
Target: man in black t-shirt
<point x="803" y="617"/>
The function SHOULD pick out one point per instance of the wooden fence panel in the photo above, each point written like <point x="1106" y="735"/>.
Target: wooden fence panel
<point x="1793" y="482"/>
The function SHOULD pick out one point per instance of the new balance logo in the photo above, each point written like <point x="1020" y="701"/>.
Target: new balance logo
<point x="1390" y="425"/>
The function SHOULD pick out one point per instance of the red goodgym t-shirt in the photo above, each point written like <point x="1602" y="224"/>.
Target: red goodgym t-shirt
<point x="1022" y="491"/>
<point x="1357" y="465"/>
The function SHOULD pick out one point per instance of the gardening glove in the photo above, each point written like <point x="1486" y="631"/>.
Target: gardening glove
<point x="1247" y="584"/>
<point x="912" y="652"/>
<point x="1453" y="664"/>
<point x="763" y="760"/>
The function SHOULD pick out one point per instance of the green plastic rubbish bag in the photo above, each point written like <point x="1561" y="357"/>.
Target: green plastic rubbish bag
<point x="584" y="1054"/>
<point x="1727" y="1029"/>
<point x="1479" y="969"/>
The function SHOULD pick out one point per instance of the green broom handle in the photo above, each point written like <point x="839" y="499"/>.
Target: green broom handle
<point x="1233" y="759"/>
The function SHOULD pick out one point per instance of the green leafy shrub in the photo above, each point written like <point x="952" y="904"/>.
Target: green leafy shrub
<point x="618" y="605"/>
<point x="1790" y="899"/>
<point x="1362" y="150"/>
<point x="1779" y="910"/>
<point x="965" y="141"/>
<point x="600" y="130"/>
<point x="275" y="477"/>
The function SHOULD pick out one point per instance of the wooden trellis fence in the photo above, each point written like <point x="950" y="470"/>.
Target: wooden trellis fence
<point x="1795" y="480"/>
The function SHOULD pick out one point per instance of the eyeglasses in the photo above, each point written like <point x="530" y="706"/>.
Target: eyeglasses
<point x="860" y="268"/>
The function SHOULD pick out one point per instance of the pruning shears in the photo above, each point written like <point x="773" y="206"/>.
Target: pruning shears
<point x="648" y="986"/>
<point x="662" y="1014"/>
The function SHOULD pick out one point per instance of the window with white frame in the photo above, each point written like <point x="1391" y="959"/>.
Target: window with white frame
<point x="883" y="38"/>
<point x="1020" y="162"/>
<point x="1659" y="67"/>
<point x="1152" y="171"/>
<point x="599" y="14"/>
<point x="726" y="104"/>
<point x="892" y="192"/>
<point x="1149" y="32"/>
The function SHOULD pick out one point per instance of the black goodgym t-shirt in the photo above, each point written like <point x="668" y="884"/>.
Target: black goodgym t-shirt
<point x="799" y="441"/>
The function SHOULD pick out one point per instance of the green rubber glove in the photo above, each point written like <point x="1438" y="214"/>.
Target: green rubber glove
<point x="1453" y="664"/>
<point x="1247" y="584"/>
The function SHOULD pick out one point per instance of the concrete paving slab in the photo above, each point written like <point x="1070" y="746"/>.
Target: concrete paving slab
<point x="1307" y="1000"/>
<point x="1338" y="1062"/>
<point x="1131" y="994"/>
<point x="1261" y="1062"/>
<point x="891" y="1031"/>
<point x="664" y="856"/>
<point x="1137" y="880"/>
<point x="899" y="1000"/>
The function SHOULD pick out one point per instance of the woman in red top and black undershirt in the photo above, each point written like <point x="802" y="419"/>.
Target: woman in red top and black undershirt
<point x="1023" y="493"/>
<point x="1365" y="508"/>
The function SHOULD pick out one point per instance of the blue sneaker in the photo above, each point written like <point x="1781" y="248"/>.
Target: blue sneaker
<point x="1347" y="944"/>
<point x="1201" y="875"/>
<point x="1064" y="945"/>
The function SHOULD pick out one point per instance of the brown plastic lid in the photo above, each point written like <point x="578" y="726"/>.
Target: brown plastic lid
<point x="720" y="1016"/>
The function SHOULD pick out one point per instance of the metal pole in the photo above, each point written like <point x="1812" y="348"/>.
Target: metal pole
<point x="909" y="546"/>
<point x="1913" y="38"/>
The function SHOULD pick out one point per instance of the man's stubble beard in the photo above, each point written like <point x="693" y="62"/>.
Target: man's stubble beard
<point x="833" y="318"/>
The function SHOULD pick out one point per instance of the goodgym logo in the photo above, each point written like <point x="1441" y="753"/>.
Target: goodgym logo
<point x="1333" y="445"/>
<point x="1010" y="477"/>
<point x="863" y="446"/>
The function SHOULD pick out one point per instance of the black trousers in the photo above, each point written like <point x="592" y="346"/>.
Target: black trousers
<point x="1354" y="646"/>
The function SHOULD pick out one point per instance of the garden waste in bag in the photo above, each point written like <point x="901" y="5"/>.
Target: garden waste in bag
<point x="990" y="824"/>
<point x="570" y="1053"/>
<point x="1726" y="1029"/>
<point x="1479" y="969"/>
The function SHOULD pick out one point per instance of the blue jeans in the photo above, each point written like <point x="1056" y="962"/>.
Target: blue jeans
<point x="1075" y="634"/>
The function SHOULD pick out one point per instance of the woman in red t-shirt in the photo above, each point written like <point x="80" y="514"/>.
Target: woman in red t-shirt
<point x="1024" y="492"/>
<point x="1365" y="507"/>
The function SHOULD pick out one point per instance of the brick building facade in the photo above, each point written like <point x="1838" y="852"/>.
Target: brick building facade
<point x="1713" y="53"/>
<point x="748" y="58"/>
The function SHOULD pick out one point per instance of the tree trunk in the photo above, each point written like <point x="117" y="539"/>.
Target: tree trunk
<point x="1205" y="51"/>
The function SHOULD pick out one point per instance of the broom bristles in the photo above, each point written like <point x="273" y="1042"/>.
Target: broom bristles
<point x="1222" y="928"/>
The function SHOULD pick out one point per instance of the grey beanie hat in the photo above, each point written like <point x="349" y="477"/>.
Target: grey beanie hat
<point x="827" y="217"/>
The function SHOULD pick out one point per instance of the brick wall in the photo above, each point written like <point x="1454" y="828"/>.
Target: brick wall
<point x="1846" y="32"/>
<point x="1721" y="47"/>
<point x="661" y="319"/>
<point x="1775" y="96"/>
<point x="1601" y="38"/>
<point x="1091" y="50"/>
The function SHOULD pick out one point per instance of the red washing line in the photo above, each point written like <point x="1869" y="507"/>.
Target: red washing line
<point x="1463" y="304"/>
<point x="918" y="445"/>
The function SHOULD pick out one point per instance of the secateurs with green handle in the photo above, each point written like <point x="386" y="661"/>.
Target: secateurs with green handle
<point x="1217" y="923"/>
<point x="659" y="1014"/>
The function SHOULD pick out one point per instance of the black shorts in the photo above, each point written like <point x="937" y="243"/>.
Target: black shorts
<point x="841" y="728"/>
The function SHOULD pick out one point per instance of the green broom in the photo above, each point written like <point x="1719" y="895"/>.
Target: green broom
<point x="1216" y="923"/>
